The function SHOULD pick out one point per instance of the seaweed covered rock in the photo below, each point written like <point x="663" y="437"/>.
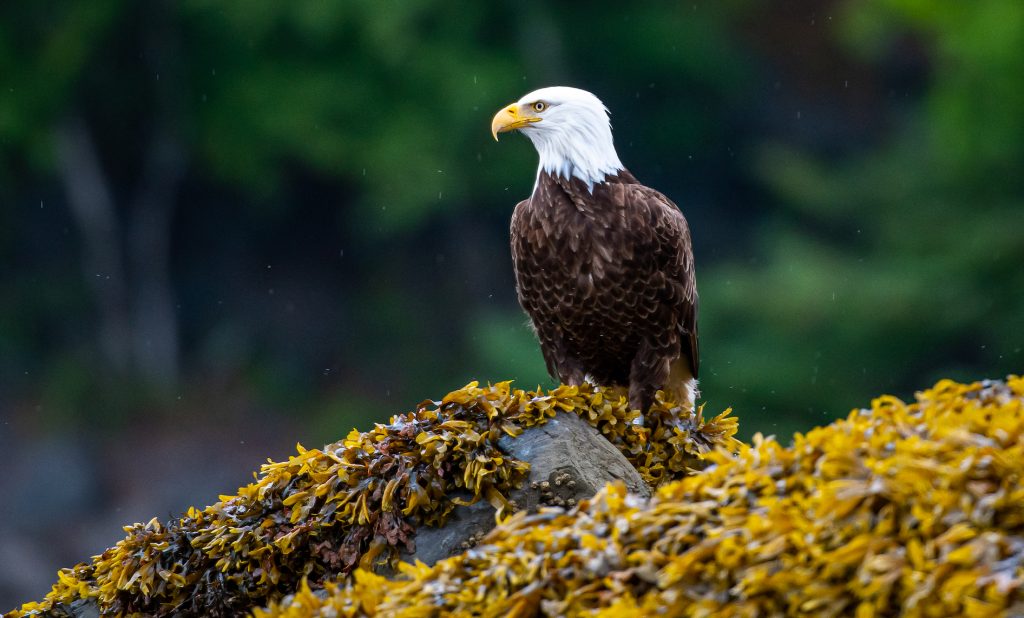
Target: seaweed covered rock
<point x="569" y="462"/>
<point x="912" y="509"/>
<point x="358" y="502"/>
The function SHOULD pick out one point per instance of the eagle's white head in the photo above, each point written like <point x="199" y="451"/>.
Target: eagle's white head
<point x="570" y="129"/>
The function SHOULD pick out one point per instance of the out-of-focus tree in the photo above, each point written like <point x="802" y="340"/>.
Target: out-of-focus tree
<point x="233" y="96"/>
<point x="901" y="263"/>
<point x="243" y="117"/>
<point x="197" y="144"/>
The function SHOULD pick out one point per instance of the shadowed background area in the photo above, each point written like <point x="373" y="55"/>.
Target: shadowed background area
<point x="229" y="227"/>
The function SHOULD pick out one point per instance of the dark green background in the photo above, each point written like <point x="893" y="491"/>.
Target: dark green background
<point x="230" y="226"/>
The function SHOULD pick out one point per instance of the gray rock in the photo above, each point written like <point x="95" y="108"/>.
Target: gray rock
<point x="82" y="608"/>
<point x="85" y="609"/>
<point x="569" y="461"/>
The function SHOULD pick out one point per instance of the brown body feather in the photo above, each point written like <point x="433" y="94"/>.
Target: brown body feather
<point x="607" y="278"/>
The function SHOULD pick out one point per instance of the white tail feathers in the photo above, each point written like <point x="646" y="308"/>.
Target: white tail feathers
<point x="682" y="384"/>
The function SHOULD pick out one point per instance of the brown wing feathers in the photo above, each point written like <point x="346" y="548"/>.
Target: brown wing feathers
<point x="607" y="280"/>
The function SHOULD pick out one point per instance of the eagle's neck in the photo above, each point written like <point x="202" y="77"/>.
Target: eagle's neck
<point x="599" y="197"/>
<point x="578" y="147"/>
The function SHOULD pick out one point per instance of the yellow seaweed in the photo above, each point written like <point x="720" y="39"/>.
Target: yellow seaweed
<point x="910" y="509"/>
<point x="323" y="512"/>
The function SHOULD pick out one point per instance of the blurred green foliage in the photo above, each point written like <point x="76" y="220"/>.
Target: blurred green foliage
<point x="337" y="234"/>
<point x="900" y="259"/>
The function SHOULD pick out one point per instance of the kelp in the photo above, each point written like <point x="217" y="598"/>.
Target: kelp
<point x="357" y="502"/>
<point x="911" y="509"/>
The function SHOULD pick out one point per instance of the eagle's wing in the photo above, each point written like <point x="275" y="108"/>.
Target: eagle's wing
<point x="672" y="252"/>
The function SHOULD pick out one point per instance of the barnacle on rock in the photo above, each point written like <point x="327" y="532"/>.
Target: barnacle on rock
<point x="357" y="502"/>
<point x="912" y="509"/>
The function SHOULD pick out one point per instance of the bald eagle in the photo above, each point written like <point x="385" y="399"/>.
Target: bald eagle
<point x="603" y="264"/>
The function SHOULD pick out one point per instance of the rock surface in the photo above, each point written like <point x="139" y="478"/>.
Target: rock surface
<point x="569" y="461"/>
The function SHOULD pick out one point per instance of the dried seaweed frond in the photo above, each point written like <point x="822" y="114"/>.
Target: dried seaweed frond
<point x="357" y="502"/>
<point x="912" y="509"/>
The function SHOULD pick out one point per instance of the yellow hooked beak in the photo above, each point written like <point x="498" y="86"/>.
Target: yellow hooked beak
<point x="511" y="118"/>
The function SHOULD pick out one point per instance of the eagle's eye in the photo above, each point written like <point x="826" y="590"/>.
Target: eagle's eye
<point x="540" y="106"/>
